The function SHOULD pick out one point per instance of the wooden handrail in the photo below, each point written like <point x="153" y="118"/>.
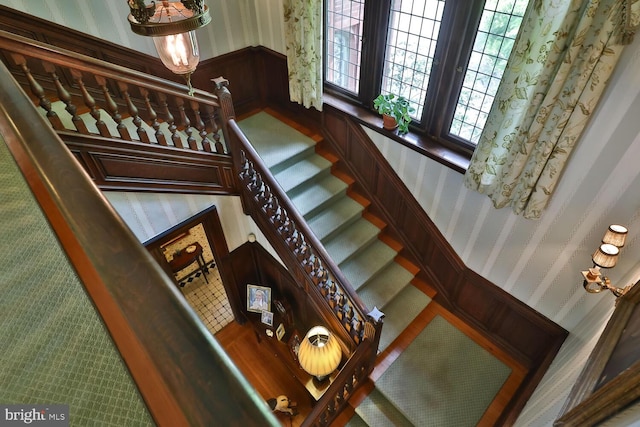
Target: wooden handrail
<point x="90" y="85"/>
<point x="66" y="58"/>
<point x="181" y="371"/>
<point x="352" y="375"/>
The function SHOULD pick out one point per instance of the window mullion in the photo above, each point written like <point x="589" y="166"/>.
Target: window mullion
<point x="373" y="50"/>
<point x="459" y="17"/>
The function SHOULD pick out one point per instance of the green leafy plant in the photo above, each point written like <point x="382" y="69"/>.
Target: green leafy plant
<point x="397" y="107"/>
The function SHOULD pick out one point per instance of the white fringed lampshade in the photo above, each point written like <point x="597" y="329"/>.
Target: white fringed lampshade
<point x="615" y="235"/>
<point x="319" y="352"/>
<point x="606" y="255"/>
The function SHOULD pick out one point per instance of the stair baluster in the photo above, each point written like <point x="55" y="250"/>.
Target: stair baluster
<point x="186" y="123"/>
<point x="202" y="130"/>
<point x="133" y="112"/>
<point x="153" y="117"/>
<point x="215" y="129"/>
<point x="173" y="128"/>
<point x="64" y="96"/>
<point x="112" y="109"/>
<point x="90" y="102"/>
<point x="38" y="91"/>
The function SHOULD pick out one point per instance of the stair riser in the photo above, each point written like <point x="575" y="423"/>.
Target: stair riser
<point x="308" y="213"/>
<point x="309" y="181"/>
<point x="366" y="276"/>
<point x="277" y="168"/>
<point x="340" y="228"/>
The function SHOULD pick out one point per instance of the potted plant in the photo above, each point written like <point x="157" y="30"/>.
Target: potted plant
<point x="395" y="111"/>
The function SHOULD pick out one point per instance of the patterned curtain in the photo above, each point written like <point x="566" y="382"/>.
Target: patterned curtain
<point x="558" y="69"/>
<point x="303" y="41"/>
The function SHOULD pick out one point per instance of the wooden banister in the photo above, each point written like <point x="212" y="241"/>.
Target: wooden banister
<point x="66" y="58"/>
<point x="87" y="84"/>
<point x="183" y="374"/>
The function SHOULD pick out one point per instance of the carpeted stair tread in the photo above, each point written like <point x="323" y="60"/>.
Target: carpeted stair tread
<point x="278" y="144"/>
<point x="352" y="240"/>
<point x="384" y="286"/>
<point x="362" y="267"/>
<point x="303" y="172"/>
<point x="315" y="197"/>
<point x="356" y="421"/>
<point x="399" y="313"/>
<point x="443" y="378"/>
<point x="377" y="411"/>
<point x="331" y="220"/>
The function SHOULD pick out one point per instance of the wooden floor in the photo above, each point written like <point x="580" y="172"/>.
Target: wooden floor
<point x="270" y="377"/>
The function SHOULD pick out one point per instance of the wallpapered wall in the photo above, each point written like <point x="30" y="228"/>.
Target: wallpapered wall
<point x="232" y="27"/>
<point x="150" y="214"/>
<point x="539" y="262"/>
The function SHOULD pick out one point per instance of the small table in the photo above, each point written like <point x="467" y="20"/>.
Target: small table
<point x="188" y="256"/>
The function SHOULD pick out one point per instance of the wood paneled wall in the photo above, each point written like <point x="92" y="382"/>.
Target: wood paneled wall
<point x="135" y="166"/>
<point x="252" y="264"/>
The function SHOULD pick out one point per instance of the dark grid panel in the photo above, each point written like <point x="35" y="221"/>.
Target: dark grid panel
<point x="498" y="29"/>
<point x="411" y="45"/>
<point x="344" y="43"/>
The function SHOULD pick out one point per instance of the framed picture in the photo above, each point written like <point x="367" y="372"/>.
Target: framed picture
<point x="610" y="380"/>
<point x="267" y="318"/>
<point x="258" y="298"/>
<point x="294" y="344"/>
<point x="280" y="332"/>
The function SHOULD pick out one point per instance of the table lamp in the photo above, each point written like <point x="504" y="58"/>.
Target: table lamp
<point x="319" y="353"/>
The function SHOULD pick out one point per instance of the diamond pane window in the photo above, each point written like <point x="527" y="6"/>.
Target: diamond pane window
<point x="344" y="43"/>
<point x="411" y="43"/>
<point x="498" y="29"/>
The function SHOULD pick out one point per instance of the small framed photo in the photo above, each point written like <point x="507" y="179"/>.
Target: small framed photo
<point x="280" y="332"/>
<point x="267" y="318"/>
<point x="294" y="344"/>
<point x="258" y="298"/>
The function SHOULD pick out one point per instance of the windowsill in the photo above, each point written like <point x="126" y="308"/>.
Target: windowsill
<point x="423" y="144"/>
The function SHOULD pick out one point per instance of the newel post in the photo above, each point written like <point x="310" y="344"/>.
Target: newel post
<point x="226" y="110"/>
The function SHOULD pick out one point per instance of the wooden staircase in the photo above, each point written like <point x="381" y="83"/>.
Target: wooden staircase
<point x="352" y="236"/>
<point x="148" y="134"/>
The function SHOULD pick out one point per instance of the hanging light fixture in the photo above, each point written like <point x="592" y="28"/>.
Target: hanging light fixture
<point x="172" y="26"/>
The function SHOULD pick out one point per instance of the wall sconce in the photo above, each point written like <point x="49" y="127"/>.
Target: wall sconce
<point x="319" y="353"/>
<point x="606" y="256"/>
<point x="172" y="25"/>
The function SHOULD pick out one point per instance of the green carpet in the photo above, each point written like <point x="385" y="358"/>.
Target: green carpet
<point x="55" y="349"/>
<point x="443" y="378"/>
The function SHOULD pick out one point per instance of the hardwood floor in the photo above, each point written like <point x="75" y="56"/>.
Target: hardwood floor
<point x="263" y="369"/>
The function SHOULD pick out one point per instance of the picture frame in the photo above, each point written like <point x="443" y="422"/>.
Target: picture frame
<point x="294" y="344"/>
<point x="258" y="298"/>
<point x="267" y="318"/>
<point x="280" y="331"/>
<point x="610" y="380"/>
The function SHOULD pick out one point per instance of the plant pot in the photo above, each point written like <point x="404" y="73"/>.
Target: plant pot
<point x="389" y="122"/>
